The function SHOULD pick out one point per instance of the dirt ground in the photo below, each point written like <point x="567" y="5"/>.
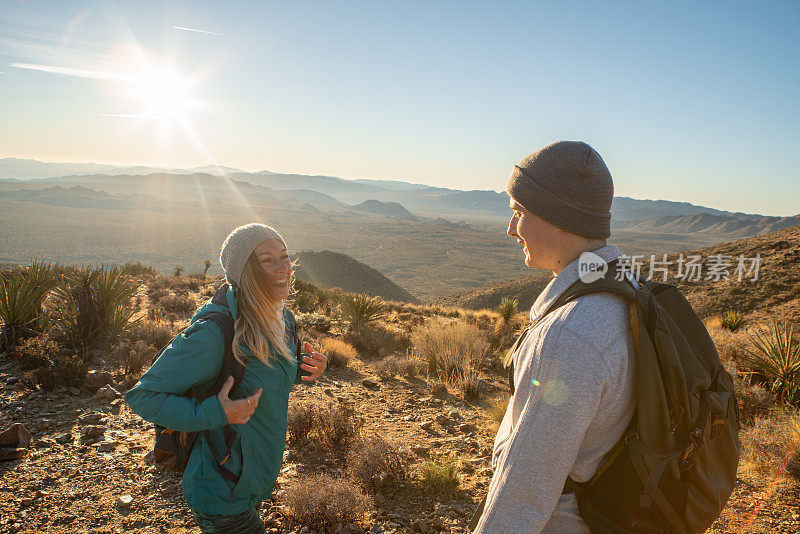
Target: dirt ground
<point x="88" y="452"/>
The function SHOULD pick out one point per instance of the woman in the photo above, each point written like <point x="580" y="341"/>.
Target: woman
<point x="258" y="271"/>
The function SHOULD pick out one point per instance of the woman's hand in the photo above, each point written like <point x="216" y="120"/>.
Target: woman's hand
<point x="237" y="411"/>
<point x="313" y="362"/>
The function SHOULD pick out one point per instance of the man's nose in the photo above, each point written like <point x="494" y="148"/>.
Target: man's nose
<point x="512" y="227"/>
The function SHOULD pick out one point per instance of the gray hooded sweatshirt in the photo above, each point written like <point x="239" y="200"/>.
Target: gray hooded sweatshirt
<point x="573" y="400"/>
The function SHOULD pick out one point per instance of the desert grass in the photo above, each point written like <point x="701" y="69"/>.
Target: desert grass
<point x="454" y="351"/>
<point x="338" y="352"/>
<point x="440" y="475"/>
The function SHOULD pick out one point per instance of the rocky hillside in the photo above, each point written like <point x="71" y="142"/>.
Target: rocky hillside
<point x="393" y="210"/>
<point x="331" y="269"/>
<point x="776" y="292"/>
<point x="734" y="225"/>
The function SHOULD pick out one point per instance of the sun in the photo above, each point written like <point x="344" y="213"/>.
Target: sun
<point x="164" y="95"/>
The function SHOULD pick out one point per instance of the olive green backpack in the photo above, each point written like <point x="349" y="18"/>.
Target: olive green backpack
<point x="675" y="466"/>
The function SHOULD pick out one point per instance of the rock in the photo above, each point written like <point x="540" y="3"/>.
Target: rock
<point x="64" y="438"/>
<point x="107" y="393"/>
<point x="426" y="425"/>
<point x="92" y="431"/>
<point x="92" y="418"/>
<point x="73" y="391"/>
<point x="27" y="501"/>
<point x="466" y="428"/>
<point x="420" y="450"/>
<point x="376" y="529"/>
<point x="11" y="380"/>
<point x="350" y="528"/>
<point x="123" y="501"/>
<point x="328" y="392"/>
<point x="14" y="442"/>
<point x="44" y="443"/>
<point x="443" y="420"/>
<point x="97" y="379"/>
<point x="370" y="384"/>
<point x="43" y="423"/>
<point x="107" y="446"/>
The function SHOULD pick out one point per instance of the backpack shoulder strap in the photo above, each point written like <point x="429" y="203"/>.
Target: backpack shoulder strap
<point x="293" y="332"/>
<point x="608" y="284"/>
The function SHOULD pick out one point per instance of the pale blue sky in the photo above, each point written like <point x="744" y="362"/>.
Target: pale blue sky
<point x="690" y="101"/>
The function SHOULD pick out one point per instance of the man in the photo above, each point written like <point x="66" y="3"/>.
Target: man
<point x="573" y="373"/>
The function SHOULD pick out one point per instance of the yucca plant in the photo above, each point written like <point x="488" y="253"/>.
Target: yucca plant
<point x="733" y="320"/>
<point x="508" y="309"/>
<point x="22" y="294"/>
<point x="776" y="355"/>
<point x="94" y="303"/>
<point x="361" y="309"/>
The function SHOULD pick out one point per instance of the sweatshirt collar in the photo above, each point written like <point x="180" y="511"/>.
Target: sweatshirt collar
<point x="566" y="278"/>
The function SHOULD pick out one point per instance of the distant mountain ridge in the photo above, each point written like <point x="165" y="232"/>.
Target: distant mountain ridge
<point x="746" y="225"/>
<point x="483" y="207"/>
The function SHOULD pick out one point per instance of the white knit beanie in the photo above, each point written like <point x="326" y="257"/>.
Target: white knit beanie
<point x="238" y="246"/>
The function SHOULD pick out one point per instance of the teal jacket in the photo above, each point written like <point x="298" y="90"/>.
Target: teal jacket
<point x="193" y="360"/>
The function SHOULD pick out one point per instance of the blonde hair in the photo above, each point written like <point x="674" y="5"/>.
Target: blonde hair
<point x="260" y="322"/>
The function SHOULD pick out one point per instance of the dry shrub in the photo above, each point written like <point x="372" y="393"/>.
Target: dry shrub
<point x="134" y="355"/>
<point x="178" y="303"/>
<point x="378" y="340"/>
<point x="375" y="463"/>
<point x="730" y="345"/>
<point x="324" y="502"/>
<point x="156" y="333"/>
<point x="754" y="401"/>
<point x="156" y="295"/>
<point x="48" y="365"/>
<point x="770" y="443"/>
<point x="396" y="365"/>
<point x="62" y="369"/>
<point x="440" y="476"/>
<point x="324" y="425"/>
<point x="338" y="352"/>
<point x="35" y="352"/>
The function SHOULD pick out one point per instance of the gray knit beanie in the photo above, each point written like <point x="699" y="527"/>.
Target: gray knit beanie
<point x="238" y="246"/>
<point x="568" y="185"/>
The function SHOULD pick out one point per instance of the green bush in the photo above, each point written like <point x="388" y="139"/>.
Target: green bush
<point x="440" y="476"/>
<point x="324" y="502"/>
<point x="733" y="320"/>
<point x="23" y="291"/>
<point x="776" y="354"/>
<point x="508" y="309"/>
<point x="93" y="306"/>
<point x="360" y="309"/>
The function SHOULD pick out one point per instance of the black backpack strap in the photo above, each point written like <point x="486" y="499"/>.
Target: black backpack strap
<point x="579" y="288"/>
<point x="231" y="366"/>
